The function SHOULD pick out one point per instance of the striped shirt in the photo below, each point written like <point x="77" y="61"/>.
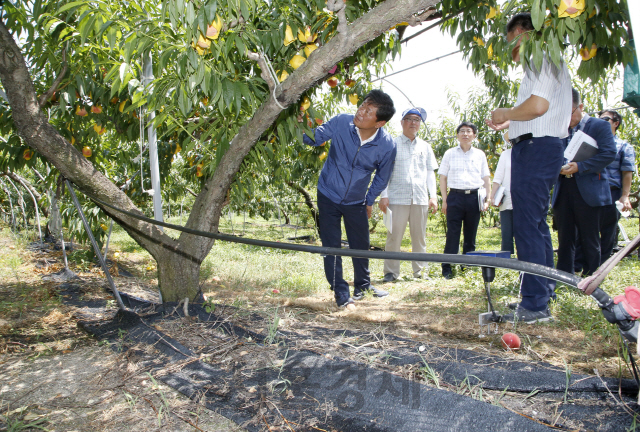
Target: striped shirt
<point x="554" y="85"/>
<point x="464" y="170"/>
<point x="415" y="161"/>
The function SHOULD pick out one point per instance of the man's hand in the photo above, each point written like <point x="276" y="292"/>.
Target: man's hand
<point x="499" y="119"/>
<point x="570" y="168"/>
<point x="485" y="205"/>
<point x="383" y="204"/>
<point x="369" y="211"/>
<point x="492" y="201"/>
<point x="497" y="127"/>
<point x="626" y="203"/>
<point x="433" y="205"/>
<point x="444" y="206"/>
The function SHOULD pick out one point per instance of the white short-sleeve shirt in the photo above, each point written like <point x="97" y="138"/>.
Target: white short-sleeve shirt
<point x="464" y="170"/>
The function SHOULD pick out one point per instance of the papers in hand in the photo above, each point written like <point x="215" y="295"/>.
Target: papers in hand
<point x="387" y="219"/>
<point x="482" y="195"/>
<point x="499" y="196"/>
<point x="620" y="206"/>
<point x="581" y="147"/>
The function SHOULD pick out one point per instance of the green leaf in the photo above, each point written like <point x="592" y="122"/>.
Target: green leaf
<point x="88" y="26"/>
<point x="191" y="13"/>
<point x="70" y="6"/>
<point x="237" y="96"/>
<point x="537" y="14"/>
<point x="210" y="10"/>
<point x="245" y="10"/>
<point x="537" y="55"/>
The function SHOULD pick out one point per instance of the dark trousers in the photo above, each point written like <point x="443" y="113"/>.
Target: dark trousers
<point x="462" y="209"/>
<point x="506" y="228"/>
<point x="609" y="225"/>
<point x="356" y="225"/>
<point x="535" y="166"/>
<point x="571" y="212"/>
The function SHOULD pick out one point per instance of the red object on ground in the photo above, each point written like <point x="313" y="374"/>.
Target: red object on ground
<point x="510" y="341"/>
<point x="276" y="291"/>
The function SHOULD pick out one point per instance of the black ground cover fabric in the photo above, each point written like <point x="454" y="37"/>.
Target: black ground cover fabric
<point x="340" y="394"/>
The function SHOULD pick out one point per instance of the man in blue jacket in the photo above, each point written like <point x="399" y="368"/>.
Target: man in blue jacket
<point x="582" y="192"/>
<point x="359" y="146"/>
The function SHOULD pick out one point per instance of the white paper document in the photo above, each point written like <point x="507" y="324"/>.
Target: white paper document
<point x="497" y="198"/>
<point x="387" y="219"/>
<point x="581" y="147"/>
<point x="482" y="195"/>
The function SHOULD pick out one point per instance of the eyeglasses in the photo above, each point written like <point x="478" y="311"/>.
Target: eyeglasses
<point x="605" y="118"/>
<point x="414" y="120"/>
<point x="466" y="131"/>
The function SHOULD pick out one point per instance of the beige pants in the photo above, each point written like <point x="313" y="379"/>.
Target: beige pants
<point x="417" y="216"/>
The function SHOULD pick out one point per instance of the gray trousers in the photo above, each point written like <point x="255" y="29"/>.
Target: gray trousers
<point x="417" y="216"/>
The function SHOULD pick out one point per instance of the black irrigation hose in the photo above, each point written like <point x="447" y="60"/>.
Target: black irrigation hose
<point x="628" y="328"/>
<point x="507" y="263"/>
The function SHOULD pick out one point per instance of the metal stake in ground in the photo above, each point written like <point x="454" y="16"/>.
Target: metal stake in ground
<point x="103" y="264"/>
<point x="106" y="246"/>
<point x="35" y="205"/>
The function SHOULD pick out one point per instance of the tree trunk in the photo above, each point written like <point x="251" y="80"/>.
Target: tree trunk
<point x="178" y="277"/>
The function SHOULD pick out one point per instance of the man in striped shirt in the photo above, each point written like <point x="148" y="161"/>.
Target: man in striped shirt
<point x="411" y="192"/>
<point x="464" y="170"/>
<point x="537" y="124"/>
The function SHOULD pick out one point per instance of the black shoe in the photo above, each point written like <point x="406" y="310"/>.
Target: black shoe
<point x="389" y="277"/>
<point x="528" y="317"/>
<point x="358" y="294"/>
<point x="447" y="275"/>
<point x="347" y="303"/>
<point x="377" y="292"/>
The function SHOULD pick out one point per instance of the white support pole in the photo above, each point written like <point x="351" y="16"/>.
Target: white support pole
<point x="634" y="17"/>
<point x="147" y="79"/>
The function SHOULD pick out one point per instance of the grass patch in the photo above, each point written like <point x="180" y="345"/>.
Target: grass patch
<point x="259" y="279"/>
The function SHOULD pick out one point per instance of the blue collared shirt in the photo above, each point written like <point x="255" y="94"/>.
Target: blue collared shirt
<point x="347" y="171"/>
<point x="625" y="161"/>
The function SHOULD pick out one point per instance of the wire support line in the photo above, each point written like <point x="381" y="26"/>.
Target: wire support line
<point x="436" y="24"/>
<point x="419" y="64"/>
<point x="512" y="264"/>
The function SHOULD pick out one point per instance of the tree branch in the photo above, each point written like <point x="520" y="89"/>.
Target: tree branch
<point x="338" y="6"/>
<point x="264" y="69"/>
<point x="25" y="184"/>
<point x="191" y="192"/>
<point x="49" y="93"/>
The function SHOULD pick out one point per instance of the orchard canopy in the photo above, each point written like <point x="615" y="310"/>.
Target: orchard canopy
<point x="235" y="85"/>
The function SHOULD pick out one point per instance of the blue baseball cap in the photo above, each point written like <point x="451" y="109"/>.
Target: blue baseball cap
<point x="417" y="111"/>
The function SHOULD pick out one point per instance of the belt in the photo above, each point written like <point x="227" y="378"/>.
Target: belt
<point x="463" y="191"/>
<point x="523" y="137"/>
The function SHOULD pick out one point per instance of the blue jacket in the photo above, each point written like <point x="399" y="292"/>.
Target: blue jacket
<point x="347" y="171"/>
<point x="591" y="178"/>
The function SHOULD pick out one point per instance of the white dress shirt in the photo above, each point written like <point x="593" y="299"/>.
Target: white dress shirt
<point x="464" y="170"/>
